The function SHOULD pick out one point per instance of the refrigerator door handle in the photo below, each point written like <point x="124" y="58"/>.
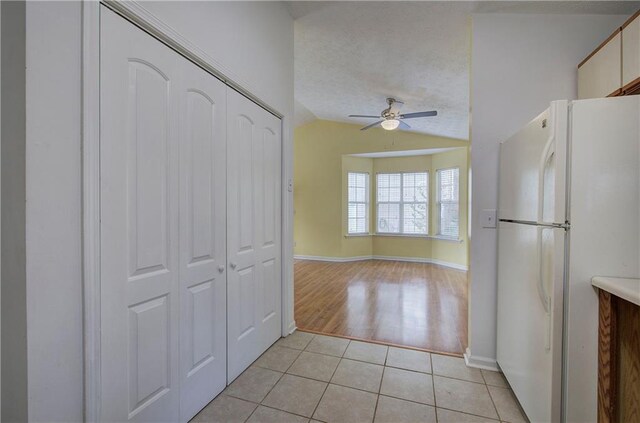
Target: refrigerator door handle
<point x="547" y="152"/>
<point x="542" y="291"/>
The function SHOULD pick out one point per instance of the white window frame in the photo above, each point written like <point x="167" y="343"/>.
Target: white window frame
<point x="439" y="202"/>
<point x="402" y="203"/>
<point x="367" y="196"/>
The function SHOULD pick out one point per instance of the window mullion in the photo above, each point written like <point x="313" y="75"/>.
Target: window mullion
<point x="401" y="229"/>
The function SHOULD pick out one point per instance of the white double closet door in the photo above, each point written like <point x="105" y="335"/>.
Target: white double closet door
<point x="190" y="230"/>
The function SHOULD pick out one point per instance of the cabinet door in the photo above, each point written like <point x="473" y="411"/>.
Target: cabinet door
<point x="631" y="53"/>
<point x="138" y="224"/>
<point x="600" y="75"/>
<point x="203" y="285"/>
<point x="253" y="231"/>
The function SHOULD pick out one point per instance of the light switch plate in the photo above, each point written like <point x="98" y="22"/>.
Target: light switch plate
<point x="488" y="218"/>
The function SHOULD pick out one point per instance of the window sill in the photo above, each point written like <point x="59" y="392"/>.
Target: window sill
<point x="436" y="237"/>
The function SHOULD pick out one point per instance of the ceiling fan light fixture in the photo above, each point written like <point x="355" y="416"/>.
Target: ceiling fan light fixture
<point x="390" y="124"/>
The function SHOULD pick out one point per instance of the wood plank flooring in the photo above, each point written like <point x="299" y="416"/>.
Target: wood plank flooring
<point x="416" y="305"/>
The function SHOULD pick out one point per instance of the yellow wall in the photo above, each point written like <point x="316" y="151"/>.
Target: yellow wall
<point x="321" y="162"/>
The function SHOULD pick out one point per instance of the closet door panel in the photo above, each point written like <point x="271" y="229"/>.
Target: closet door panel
<point x="253" y="201"/>
<point x="243" y="280"/>
<point x="269" y="185"/>
<point x="203" y="239"/>
<point x="139" y="223"/>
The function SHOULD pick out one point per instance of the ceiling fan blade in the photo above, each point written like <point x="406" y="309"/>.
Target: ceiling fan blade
<point x="365" y="116"/>
<point x="419" y="114"/>
<point x="371" y="126"/>
<point x="404" y="125"/>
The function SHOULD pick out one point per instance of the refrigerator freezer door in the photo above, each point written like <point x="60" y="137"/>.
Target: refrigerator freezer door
<point x="532" y="169"/>
<point x="530" y="285"/>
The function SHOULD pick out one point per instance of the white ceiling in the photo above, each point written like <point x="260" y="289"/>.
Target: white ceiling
<point x="350" y="56"/>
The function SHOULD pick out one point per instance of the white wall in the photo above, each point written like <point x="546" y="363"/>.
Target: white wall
<point x="252" y="41"/>
<point x="519" y="64"/>
<point x="53" y="212"/>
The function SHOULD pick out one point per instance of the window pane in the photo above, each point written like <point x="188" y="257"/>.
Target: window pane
<point x="358" y="202"/>
<point x="389" y="218"/>
<point x="449" y="219"/>
<point x="415" y="187"/>
<point x="448" y="184"/>
<point x="448" y="197"/>
<point x="352" y="226"/>
<point x="415" y="218"/>
<point x="422" y="187"/>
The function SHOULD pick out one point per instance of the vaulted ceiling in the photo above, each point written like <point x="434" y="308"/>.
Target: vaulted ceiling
<point x="350" y="56"/>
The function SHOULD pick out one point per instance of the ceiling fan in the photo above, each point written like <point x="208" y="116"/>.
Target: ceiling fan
<point x="392" y="118"/>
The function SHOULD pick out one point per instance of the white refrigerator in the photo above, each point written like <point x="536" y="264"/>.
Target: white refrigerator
<point x="569" y="209"/>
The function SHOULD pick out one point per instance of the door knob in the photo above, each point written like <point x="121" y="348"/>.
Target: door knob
<point x="232" y="265"/>
<point x="221" y="268"/>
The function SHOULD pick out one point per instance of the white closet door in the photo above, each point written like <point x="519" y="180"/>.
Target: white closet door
<point x="139" y="225"/>
<point x="203" y="285"/>
<point x="253" y="231"/>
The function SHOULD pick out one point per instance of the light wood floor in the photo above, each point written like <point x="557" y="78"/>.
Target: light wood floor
<point x="410" y="304"/>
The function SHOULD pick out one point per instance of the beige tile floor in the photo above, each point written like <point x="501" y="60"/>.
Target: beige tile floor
<point x="317" y="378"/>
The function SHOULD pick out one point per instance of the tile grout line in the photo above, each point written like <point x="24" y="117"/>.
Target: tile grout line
<point x="265" y="395"/>
<point x="383" y="343"/>
<point x="493" y="402"/>
<point x="278" y="381"/>
<point x="433" y="386"/>
<point x="328" y="383"/>
<point x="470" y="414"/>
<point x="375" y="409"/>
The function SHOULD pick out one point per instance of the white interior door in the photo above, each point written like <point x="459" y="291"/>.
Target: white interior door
<point x="139" y="225"/>
<point x="163" y="229"/>
<point x="253" y="234"/>
<point x="203" y="285"/>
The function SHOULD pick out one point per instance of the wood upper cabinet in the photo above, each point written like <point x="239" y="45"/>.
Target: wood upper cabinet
<point x="614" y="67"/>
<point x="631" y="53"/>
<point x="599" y="75"/>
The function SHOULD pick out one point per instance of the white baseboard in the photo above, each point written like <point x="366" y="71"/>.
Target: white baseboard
<point x="333" y="259"/>
<point x="422" y="260"/>
<point x="375" y="257"/>
<point x="480" y="362"/>
<point x="292" y="327"/>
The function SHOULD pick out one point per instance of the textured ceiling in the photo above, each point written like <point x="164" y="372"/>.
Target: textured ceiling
<point x="350" y="56"/>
